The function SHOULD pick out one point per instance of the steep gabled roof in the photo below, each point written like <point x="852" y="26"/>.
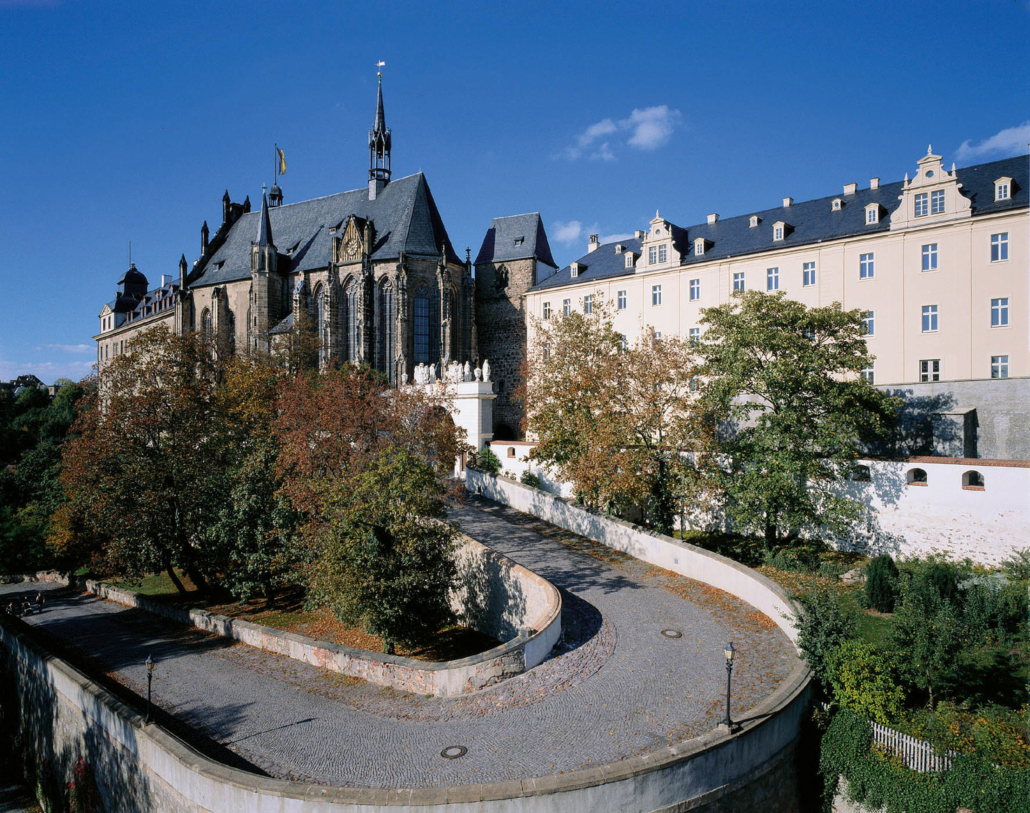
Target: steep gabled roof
<point x="518" y="237"/>
<point x="809" y="222"/>
<point x="404" y="212"/>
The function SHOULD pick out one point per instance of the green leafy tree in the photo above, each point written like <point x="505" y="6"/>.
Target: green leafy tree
<point x="487" y="461"/>
<point x="863" y="681"/>
<point x="881" y="583"/>
<point x="824" y="623"/>
<point x="784" y="378"/>
<point x="925" y="638"/>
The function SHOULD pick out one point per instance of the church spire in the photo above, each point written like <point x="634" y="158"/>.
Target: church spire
<point x="379" y="143"/>
<point x="264" y="235"/>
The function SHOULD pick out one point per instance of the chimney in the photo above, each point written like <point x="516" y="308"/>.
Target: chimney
<point x="787" y="202"/>
<point x="850" y="188"/>
<point x="594" y="243"/>
<point x="874" y="183"/>
<point x="712" y="218"/>
<point x="638" y="234"/>
<point x="165" y="279"/>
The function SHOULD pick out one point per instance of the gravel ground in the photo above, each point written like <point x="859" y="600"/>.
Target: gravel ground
<point x="614" y="688"/>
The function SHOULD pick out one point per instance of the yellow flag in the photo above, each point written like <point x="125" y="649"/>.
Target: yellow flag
<point x="282" y="161"/>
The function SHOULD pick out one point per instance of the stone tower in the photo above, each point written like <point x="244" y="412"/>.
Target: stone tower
<point x="265" y="284"/>
<point x="514" y="257"/>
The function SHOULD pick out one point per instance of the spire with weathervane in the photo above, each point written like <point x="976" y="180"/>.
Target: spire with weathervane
<point x="378" y="147"/>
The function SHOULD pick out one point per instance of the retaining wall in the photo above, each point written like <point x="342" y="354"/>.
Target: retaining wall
<point x="663" y="551"/>
<point x="495" y="596"/>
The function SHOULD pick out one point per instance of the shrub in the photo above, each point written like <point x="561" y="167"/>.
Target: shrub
<point x="487" y="461"/>
<point x="824" y="623"/>
<point x="997" y="734"/>
<point x="530" y="479"/>
<point x="1017" y="566"/>
<point x="881" y="583"/>
<point x="832" y="570"/>
<point x="864" y="682"/>
<point x="925" y="638"/>
<point x="930" y="580"/>
<point x="800" y="559"/>
<point x="993" y="612"/>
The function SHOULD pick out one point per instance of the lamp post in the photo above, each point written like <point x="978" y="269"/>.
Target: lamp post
<point x="729" y="652"/>
<point x="150" y="680"/>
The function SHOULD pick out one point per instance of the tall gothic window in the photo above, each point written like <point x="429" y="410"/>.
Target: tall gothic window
<point x="321" y="325"/>
<point x="230" y="333"/>
<point x="386" y="315"/>
<point x="422" y="324"/>
<point x="353" y="339"/>
<point x="205" y="324"/>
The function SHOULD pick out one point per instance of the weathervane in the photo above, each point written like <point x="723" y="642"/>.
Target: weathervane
<point x="380" y="64"/>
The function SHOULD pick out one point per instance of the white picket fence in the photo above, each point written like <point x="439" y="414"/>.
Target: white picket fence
<point x="917" y="754"/>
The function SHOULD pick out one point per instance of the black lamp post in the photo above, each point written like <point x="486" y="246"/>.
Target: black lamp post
<point x="729" y="652"/>
<point x="150" y="680"/>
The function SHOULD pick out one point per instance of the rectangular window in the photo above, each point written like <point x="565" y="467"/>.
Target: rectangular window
<point x="421" y="329"/>
<point x="566" y="307"/>
<point x="622" y="300"/>
<point x="930" y="370"/>
<point x="929" y="318"/>
<point x="922" y="204"/>
<point x="937" y="202"/>
<point x="662" y="253"/>
<point x="1003" y="192"/>
<point x="547" y="311"/>
<point x="658" y="335"/>
<point x="778" y="233"/>
<point x="868" y="374"/>
<point x="656" y="294"/>
<point x="871" y="215"/>
<point x="629" y="260"/>
<point x="869" y="323"/>
<point x="652" y="255"/>
<point x="695" y="290"/>
<point x="694" y="335"/>
<point x="772" y="279"/>
<point x="930" y="257"/>
<point x="588" y="304"/>
<point x="1000" y="312"/>
<point x="808" y="274"/>
<point x="738" y="280"/>
<point x="999" y="366"/>
<point x="999" y="247"/>
<point x="866" y="266"/>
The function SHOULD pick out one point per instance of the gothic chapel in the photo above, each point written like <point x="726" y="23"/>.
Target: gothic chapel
<point x="372" y="268"/>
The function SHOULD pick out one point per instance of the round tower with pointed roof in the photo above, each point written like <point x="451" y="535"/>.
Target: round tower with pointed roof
<point x="379" y="143"/>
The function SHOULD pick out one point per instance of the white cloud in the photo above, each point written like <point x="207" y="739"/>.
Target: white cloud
<point x="567" y="233"/>
<point x="46" y="371"/>
<point x="73" y="348"/>
<point x="644" y="129"/>
<point x="1010" y="141"/>
<point x="615" y="238"/>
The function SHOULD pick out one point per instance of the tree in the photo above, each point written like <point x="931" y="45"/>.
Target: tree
<point x="621" y="423"/>
<point x="881" y="583"/>
<point x="145" y="476"/>
<point x="863" y="681"/>
<point x="784" y="379"/>
<point x="824" y="623"/>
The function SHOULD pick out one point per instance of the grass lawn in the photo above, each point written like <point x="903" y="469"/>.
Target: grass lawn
<point x="288" y="614"/>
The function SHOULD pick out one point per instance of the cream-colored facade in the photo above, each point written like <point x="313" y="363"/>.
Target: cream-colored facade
<point x="899" y="289"/>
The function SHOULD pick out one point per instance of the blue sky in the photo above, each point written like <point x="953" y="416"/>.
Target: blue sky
<point x="127" y="121"/>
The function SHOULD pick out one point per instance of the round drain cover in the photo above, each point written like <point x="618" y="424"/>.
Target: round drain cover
<point x="454" y="751"/>
<point x="672" y="633"/>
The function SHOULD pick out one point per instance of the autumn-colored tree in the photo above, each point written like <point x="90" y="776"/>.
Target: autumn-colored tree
<point x="620" y="422"/>
<point x="365" y="464"/>
<point x="785" y="379"/>
<point x="145" y="476"/>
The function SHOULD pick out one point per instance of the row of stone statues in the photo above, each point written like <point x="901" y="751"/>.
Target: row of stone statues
<point x="454" y="372"/>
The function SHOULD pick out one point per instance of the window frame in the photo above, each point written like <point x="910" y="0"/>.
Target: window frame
<point x="867" y="265"/>
<point x="805" y="269"/>
<point x="546" y="311"/>
<point x="1000" y="305"/>
<point x="694" y="290"/>
<point x="772" y="275"/>
<point x="1000" y="366"/>
<point x="588" y="303"/>
<point x="928" y="258"/>
<point x="922" y="202"/>
<point x="1000" y="247"/>
<point x="937" y="204"/>
<point x="869" y="323"/>
<point x="929" y="371"/>
<point x="566" y="307"/>
<point x="652" y="255"/>
<point x="930" y="316"/>
<point x="741" y="277"/>
<point x="621" y="300"/>
<point x="656" y="295"/>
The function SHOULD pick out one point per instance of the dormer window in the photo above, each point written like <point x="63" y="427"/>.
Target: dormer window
<point x="837" y="203"/>
<point x="1003" y="189"/>
<point x="629" y="259"/>
<point x="779" y="230"/>
<point x="618" y="248"/>
<point x="520" y="240"/>
<point x="754" y="221"/>
<point x="872" y="214"/>
<point x="699" y="246"/>
<point x="574" y="270"/>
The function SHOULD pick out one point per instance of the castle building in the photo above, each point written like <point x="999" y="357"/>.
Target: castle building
<point x="372" y="269"/>
<point x="938" y="264"/>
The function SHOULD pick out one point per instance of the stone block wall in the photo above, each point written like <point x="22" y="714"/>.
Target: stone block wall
<point x="501" y="327"/>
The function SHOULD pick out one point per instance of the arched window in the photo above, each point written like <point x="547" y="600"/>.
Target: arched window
<point x="205" y="324"/>
<point x="421" y="324"/>
<point x="511" y="451"/>
<point x="455" y="348"/>
<point x="230" y="332"/>
<point x="973" y="481"/>
<point x="916" y="477"/>
<point x="385" y="354"/>
<point x="321" y="324"/>
<point x="351" y="331"/>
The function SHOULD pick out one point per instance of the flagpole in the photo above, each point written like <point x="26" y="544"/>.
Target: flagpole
<point x="276" y="157"/>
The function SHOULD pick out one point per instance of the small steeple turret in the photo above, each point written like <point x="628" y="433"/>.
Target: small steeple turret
<point x="205" y="233"/>
<point x="226" y="206"/>
<point x="183" y="271"/>
<point x="379" y="145"/>
<point x="264" y="235"/>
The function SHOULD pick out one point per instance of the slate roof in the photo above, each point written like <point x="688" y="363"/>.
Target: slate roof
<point x="132" y="308"/>
<point x="501" y="241"/>
<point x="404" y="212"/>
<point x="811" y="222"/>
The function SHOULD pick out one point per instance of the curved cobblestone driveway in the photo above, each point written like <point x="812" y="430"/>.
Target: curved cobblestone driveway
<point x="615" y="687"/>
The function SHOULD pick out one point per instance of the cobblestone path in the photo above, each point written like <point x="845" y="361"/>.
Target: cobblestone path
<point x="614" y="688"/>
